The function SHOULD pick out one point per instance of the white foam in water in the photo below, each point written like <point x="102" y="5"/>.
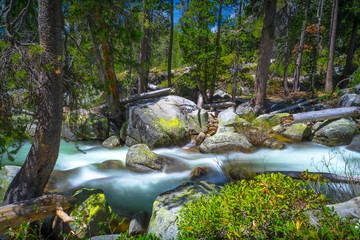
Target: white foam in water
<point x="136" y="191"/>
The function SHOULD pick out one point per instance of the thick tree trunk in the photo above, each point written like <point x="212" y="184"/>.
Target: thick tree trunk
<point x="321" y="115"/>
<point x="286" y="53"/>
<point x="296" y="86"/>
<point x="34" y="174"/>
<point x="144" y="45"/>
<point x="171" y="40"/>
<point x="266" y="43"/>
<point x="218" y="33"/>
<point x="351" y="49"/>
<point x="330" y="63"/>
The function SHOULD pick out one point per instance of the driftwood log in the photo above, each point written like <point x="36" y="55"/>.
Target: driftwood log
<point x="218" y="105"/>
<point x="295" y="106"/>
<point x="146" y="95"/>
<point x="320" y="115"/>
<point x="14" y="215"/>
<point x="335" y="178"/>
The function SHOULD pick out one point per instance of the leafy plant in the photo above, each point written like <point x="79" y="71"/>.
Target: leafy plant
<point x="272" y="206"/>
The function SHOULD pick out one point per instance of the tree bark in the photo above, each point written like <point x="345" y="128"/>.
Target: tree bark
<point x="330" y="63"/>
<point x="286" y="53"/>
<point x="143" y="71"/>
<point x="296" y="86"/>
<point x="318" y="42"/>
<point x="40" y="161"/>
<point x="321" y="115"/>
<point x="171" y="40"/>
<point x="266" y="43"/>
<point x="351" y="50"/>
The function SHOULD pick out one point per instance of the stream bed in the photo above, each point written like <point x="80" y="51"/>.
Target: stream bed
<point x="130" y="191"/>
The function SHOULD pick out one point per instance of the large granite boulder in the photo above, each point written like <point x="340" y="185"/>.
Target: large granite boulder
<point x="349" y="100"/>
<point x="163" y="222"/>
<point x="85" y="125"/>
<point x="139" y="158"/>
<point x="297" y="132"/>
<point x="164" y="122"/>
<point x="90" y="209"/>
<point x="335" y="132"/>
<point x="226" y="142"/>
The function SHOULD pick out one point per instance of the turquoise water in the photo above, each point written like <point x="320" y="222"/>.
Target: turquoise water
<point x="131" y="191"/>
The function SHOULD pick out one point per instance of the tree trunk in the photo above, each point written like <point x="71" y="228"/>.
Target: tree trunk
<point x="236" y="70"/>
<point x="296" y="86"/>
<point x="330" y="63"/>
<point x="212" y="86"/>
<point x="351" y="49"/>
<point x="143" y="71"/>
<point x="266" y="43"/>
<point x="318" y="42"/>
<point x="286" y="54"/>
<point x="99" y="61"/>
<point x="147" y="95"/>
<point x="40" y="161"/>
<point x="171" y="40"/>
<point x="321" y="115"/>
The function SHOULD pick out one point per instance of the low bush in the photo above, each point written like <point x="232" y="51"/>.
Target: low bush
<point x="271" y="206"/>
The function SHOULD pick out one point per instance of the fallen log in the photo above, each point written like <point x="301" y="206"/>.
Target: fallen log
<point x="14" y="215"/>
<point x="218" y="105"/>
<point x="146" y="95"/>
<point x="295" y="106"/>
<point x="320" y="115"/>
<point x="153" y="87"/>
<point x="332" y="177"/>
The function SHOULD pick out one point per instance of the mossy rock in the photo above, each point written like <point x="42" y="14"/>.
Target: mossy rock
<point x="226" y="142"/>
<point x="140" y="158"/>
<point x="84" y="125"/>
<point x="335" y="132"/>
<point x="269" y="120"/>
<point x="90" y="209"/>
<point x="111" y="142"/>
<point x="163" y="222"/>
<point x="297" y="132"/>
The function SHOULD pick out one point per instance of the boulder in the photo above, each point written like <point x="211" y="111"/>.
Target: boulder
<point x="335" y="132"/>
<point x="7" y="174"/>
<point x="199" y="172"/>
<point x="110" y="164"/>
<point x="226" y="142"/>
<point x="297" y="132"/>
<point x="164" y="122"/>
<point x="274" y="143"/>
<point x="349" y="208"/>
<point x="111" y="143"/>
<point x="163" y="222"/>
<point x="138" y="224"/>
<point x="139" y="158"/>
<point x="85" y="125"/>
<point x="200" y="138"/>
<point x="270" y="120"/>
<point x="89" y="210"/>
<point x="244" y="109"/>
<point x="349" y="100"/>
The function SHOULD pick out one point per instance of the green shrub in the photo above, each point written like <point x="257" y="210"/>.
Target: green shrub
<point x="270" y="207"/>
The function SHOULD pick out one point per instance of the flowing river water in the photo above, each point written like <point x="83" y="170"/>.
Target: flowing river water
<point x="130" y="191"/>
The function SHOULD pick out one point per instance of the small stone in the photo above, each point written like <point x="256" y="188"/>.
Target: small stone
<point x="200" y="138"/>
<point x="138" y="224"/>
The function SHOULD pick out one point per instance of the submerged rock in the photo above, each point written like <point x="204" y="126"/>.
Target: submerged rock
<point x="335" y="132"/>
<point x="164" y="122"/>
<point x="111" y="143"/>
<point x="274" y="143"/>
<point x="163" y="222"/>
<point x="297" y="132"/>
<point x="139" y="158"/>
<point x="226" y="142"/>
